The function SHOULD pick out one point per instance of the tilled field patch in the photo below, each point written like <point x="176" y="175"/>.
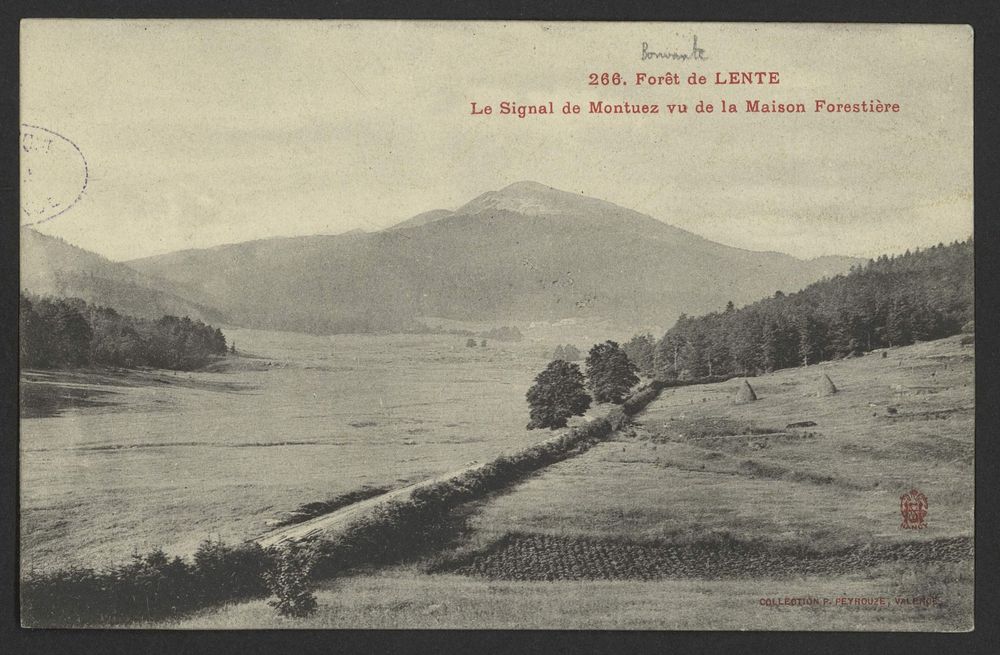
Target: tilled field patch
<point x="539" y="557"/>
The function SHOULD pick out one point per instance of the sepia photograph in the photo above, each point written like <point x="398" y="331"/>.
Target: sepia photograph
<point x="385" y="324"/>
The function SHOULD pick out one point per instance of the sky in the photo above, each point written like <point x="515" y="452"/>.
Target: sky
<point x="199" y="133"/>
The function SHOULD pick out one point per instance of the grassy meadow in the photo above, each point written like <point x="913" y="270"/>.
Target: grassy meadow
<point x="697" y="516"/>
<point x="112" y="462"/>
<point x="805" y="512"/>
<point x="690" y="471"/>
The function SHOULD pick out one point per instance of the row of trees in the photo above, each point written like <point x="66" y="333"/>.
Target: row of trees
<point x="69" y="333"/>
<point x="891" y="301"/>
<point x="560" y="391"/>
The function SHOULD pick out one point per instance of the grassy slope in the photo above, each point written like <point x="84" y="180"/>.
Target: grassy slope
<point x="653" y="485"/>
<point x="683" y="488"/>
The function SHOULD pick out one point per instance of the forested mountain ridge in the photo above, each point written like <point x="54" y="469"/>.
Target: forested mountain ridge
<point x="890" y="301"/>
<point x="51" y="266"/>
<point x="525" y="252"/>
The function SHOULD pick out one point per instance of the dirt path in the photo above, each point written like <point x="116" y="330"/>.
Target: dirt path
<point x="345" y="515"/>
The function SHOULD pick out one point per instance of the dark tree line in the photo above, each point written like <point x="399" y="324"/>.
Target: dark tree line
<point x="69" y="333"/>
<point x="890" y="301"/>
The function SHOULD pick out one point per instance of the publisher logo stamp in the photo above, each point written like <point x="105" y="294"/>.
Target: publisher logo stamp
<point x="913" y="507"/>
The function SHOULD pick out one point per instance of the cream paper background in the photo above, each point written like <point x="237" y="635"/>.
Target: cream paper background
<point x="207" y="132"/>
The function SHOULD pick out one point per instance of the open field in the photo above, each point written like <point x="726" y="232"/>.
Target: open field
<point x="709" y="513"/>
<point x="113" y="462"/>
<point x="703" y="514"/>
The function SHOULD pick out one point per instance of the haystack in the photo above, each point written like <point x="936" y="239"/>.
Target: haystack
<point x="825" y="387"/>
<point x="745" y="394"/>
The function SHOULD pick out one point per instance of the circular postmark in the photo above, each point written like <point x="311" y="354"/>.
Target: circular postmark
<point x="54" y="174"/>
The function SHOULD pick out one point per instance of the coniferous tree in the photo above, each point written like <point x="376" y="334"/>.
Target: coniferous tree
<point x="768" y="348"/>
<point x="692" y="356"/>
<point x="742" y="347"/>
<point x="666" y="358"/>
<point x="810" y="341"/>
<point x="719" y="351"/>
<point x="897" y="324"/>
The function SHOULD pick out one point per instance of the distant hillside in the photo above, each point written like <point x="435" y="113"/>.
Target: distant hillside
<point x="423" y="219"/>
<point x="50" y="266"/>
<point x="526" y="252"/>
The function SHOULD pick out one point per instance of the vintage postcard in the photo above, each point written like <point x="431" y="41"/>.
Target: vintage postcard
<point x="416" y="324"/>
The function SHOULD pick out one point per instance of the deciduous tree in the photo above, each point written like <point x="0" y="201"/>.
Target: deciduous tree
<point x="558" y="394"/>
<point x="609" y="372"/>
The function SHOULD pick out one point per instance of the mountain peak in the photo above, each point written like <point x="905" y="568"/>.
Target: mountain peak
<point x="525" y="251"/>
<point x="532" y="199"/>
<point x="527" y="186"/>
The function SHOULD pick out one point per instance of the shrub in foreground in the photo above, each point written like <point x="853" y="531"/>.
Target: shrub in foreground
<point x="148" y="588"/>
<point x="288" y="580"/>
